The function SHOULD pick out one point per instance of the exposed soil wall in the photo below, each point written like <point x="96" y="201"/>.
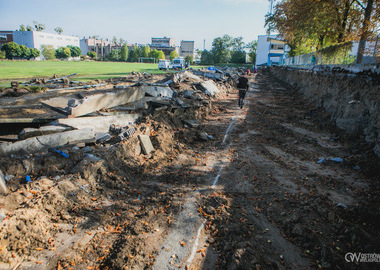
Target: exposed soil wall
<point x="353" y="100"/>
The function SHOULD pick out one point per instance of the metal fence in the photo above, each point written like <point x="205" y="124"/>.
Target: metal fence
<point x="345" y="53"/>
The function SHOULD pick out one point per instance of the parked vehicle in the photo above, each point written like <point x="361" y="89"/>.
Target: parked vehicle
<point x="164" y="64"/>
<point x="179" y="63"/>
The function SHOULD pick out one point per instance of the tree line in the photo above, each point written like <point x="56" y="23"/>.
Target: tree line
<point x="14" y="51"/>
<point x="227" y="49"/>
<point x="309" y="25"/>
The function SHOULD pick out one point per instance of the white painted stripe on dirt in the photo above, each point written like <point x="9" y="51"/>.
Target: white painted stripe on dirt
<point x="228" y="129"/>
<point x="195" y="247"/>
<point x="217" y="177"/>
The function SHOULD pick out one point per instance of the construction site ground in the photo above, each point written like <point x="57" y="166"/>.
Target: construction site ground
<point x="254" y="197"/>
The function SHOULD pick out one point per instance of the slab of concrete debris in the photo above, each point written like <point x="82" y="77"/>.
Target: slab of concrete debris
<point x="74" y="107"/>
<point x="37" y="144"/>
<point x="158" y="91"/>
<point x="146" y="144"/>
<point x="100" y="123"/>
<point x="45" y="130"/>
<point x="3" y="186"/>
<point x="209" y="87"/>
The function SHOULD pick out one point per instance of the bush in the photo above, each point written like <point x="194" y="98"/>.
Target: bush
<point x="63" y="53"/>
<point x="92" y="54"/>
<point x="114" y="55"/>
<point x="189" y="59"/>
<point x="34" y="53"/>
<point x="75" y="51"/>
<point x="48" y="52"/>
<point x="25" y="52"/>
<point x="35" y="89"/>
<point x="12" y="50"/>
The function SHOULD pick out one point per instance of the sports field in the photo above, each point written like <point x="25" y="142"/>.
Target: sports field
<point x="86" y="70"/>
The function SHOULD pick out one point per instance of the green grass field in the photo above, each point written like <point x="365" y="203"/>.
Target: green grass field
<point x="86" y="70"/>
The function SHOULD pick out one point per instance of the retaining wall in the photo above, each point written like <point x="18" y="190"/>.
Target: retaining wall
<point x="352" y="99"/>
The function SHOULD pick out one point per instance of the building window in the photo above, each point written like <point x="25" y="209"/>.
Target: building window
<point x="50" y="37"/>
<point x="3" y="37"/>
<point x="41" y="35"/>
<point x="67" y="39"/>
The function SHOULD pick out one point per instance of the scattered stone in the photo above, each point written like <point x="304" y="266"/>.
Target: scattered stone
<point x="8" y="177"/>
<point x="102" y="137"/>
<point x="2" y="216"/>
<point x="146" y="144"/>
<point x="187" y="93"/>
<point x="192" y="123"/>
<point x="3" y="186"/>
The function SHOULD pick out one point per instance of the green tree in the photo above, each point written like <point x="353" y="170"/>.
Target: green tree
<point x="135" y="54"/>
<point x="75" y="51"/>
<point x="63" y="53"/>
<point x="34" y="52"/>
<point x="124" y="53"/>
<point x="114" y="40"/>
<point x="48" y="52"/>
<point x="114" y="55"/>
<point x="189" y="59"/>
<point x="2" y="54"/>
<point x="154" y="54"/>
<point x="173" y="55"/>
<point x="22" y="28"/>
<point x="146" y="51"/>
<point x="237" y="44"/>
<point x="39" y="26"/>
<point x="92" y="55"/>
<point x="161" y="55"/>
<point x="221" y="49"/>
<point x="29" y="28"/>
<point x="58" y="30"/>
<point x="238" y="57"/>
<point x="207" y="58"/>
<point x="25" y="52"/>
<point x="12" y="50"/>
<point x="252" y="50"/>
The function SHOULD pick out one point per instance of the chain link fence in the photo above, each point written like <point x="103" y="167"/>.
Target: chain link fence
<point x="339" y="54"/>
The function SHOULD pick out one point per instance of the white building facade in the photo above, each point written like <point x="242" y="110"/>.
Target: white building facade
<point x="35" y="39"/>
<point x="271" y="50"/>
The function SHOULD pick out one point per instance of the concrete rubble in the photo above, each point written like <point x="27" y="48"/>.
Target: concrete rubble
<point x="84" y="117"/>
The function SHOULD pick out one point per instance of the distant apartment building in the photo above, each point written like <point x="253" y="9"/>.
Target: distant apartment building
<point x="271" y="50"/>
<point x="5" y="37"/>
<point x="102" y="47"/>
<point x="35" y="39"/>
<point x="165" y="44"/>
<point x="186" y="48"/>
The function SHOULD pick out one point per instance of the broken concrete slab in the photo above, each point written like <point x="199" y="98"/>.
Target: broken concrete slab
<point x="146" y="144"/>
<point x="209" y="86"/>
<point x="45" y="130"/>
<point x="37" y="144"/>
<point x="158" y="91"/>
<point x="181" y="76"/>
<point x="102" y="137"/>
<point x="100" y="123"/>
<point x="3" y="186"/>
<point x="96" y="102"/>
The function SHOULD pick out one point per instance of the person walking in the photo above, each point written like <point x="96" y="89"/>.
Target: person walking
<point x="242" y="86"/>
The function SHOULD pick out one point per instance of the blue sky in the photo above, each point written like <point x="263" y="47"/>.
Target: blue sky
<point x="136" y="21"/>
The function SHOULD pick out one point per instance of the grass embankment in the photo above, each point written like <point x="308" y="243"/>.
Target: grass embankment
<point x="86" y="70"/>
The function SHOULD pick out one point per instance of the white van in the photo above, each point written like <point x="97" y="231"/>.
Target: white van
<point x="163" y="64"/>
<point x="179" y="63"/>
